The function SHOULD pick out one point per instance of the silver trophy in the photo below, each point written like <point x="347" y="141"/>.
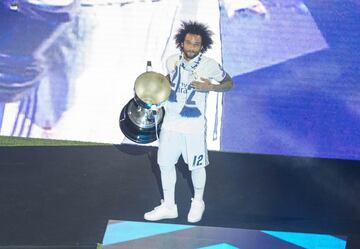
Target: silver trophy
<point x="141" y="118"/>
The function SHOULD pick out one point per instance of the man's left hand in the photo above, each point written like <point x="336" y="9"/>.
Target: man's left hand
<point x="202" y="86"/>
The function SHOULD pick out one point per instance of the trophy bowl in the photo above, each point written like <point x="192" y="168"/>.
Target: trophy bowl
<point x="141" y="118"/>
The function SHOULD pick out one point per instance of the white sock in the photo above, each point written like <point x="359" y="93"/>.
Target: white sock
<point x="168" y="181"/>
<point x="198" y="177"/>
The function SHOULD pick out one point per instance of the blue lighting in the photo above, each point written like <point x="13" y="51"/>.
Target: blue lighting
<point x="123" y="231"/>
<point x="220" y="246"/>
<point x="310" y="241"/>
<point x="129" y="230"/>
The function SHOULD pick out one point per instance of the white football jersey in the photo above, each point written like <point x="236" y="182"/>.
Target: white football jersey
<point x="185" y="109"/>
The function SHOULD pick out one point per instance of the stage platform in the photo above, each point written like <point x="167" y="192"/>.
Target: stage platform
<point x="64" y="196"/>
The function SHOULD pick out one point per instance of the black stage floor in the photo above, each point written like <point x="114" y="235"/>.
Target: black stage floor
<point x="63" y="197"/>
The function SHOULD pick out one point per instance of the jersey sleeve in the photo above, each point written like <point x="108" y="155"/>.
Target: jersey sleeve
<point x="215" y="71"/>
<point x="171" y="64"/>
<point x="167" y="65"/>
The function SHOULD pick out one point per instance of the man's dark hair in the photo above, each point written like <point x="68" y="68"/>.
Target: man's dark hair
<point x="194" y="28"/>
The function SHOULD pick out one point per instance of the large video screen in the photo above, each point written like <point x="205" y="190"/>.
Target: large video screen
<point x="68" y="68"/>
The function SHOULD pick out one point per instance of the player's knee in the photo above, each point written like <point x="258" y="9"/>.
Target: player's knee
<point x="199" y="171"/>
<point x="166" y="167"/>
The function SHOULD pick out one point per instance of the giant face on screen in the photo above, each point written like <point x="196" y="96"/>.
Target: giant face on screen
<point x="67" y="68"/>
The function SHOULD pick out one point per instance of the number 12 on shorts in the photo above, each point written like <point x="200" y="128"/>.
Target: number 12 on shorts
<point x="198" y="160"/>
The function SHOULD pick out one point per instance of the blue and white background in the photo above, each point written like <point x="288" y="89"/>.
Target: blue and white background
<point x="67" y="68"/>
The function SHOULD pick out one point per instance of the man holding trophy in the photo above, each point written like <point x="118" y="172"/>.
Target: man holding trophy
<point x="192" y="75"/>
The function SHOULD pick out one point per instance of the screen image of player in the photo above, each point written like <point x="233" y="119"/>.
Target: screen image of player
<point x="68" y="67"/>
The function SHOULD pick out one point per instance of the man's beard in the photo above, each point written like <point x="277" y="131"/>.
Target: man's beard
<point x="190" y="54"/>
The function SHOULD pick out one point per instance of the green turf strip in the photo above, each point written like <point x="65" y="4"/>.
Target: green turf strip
<point x="20" y="141"/>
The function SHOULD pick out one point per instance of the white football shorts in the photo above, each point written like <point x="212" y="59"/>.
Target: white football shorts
<point x="192" y="147"/>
